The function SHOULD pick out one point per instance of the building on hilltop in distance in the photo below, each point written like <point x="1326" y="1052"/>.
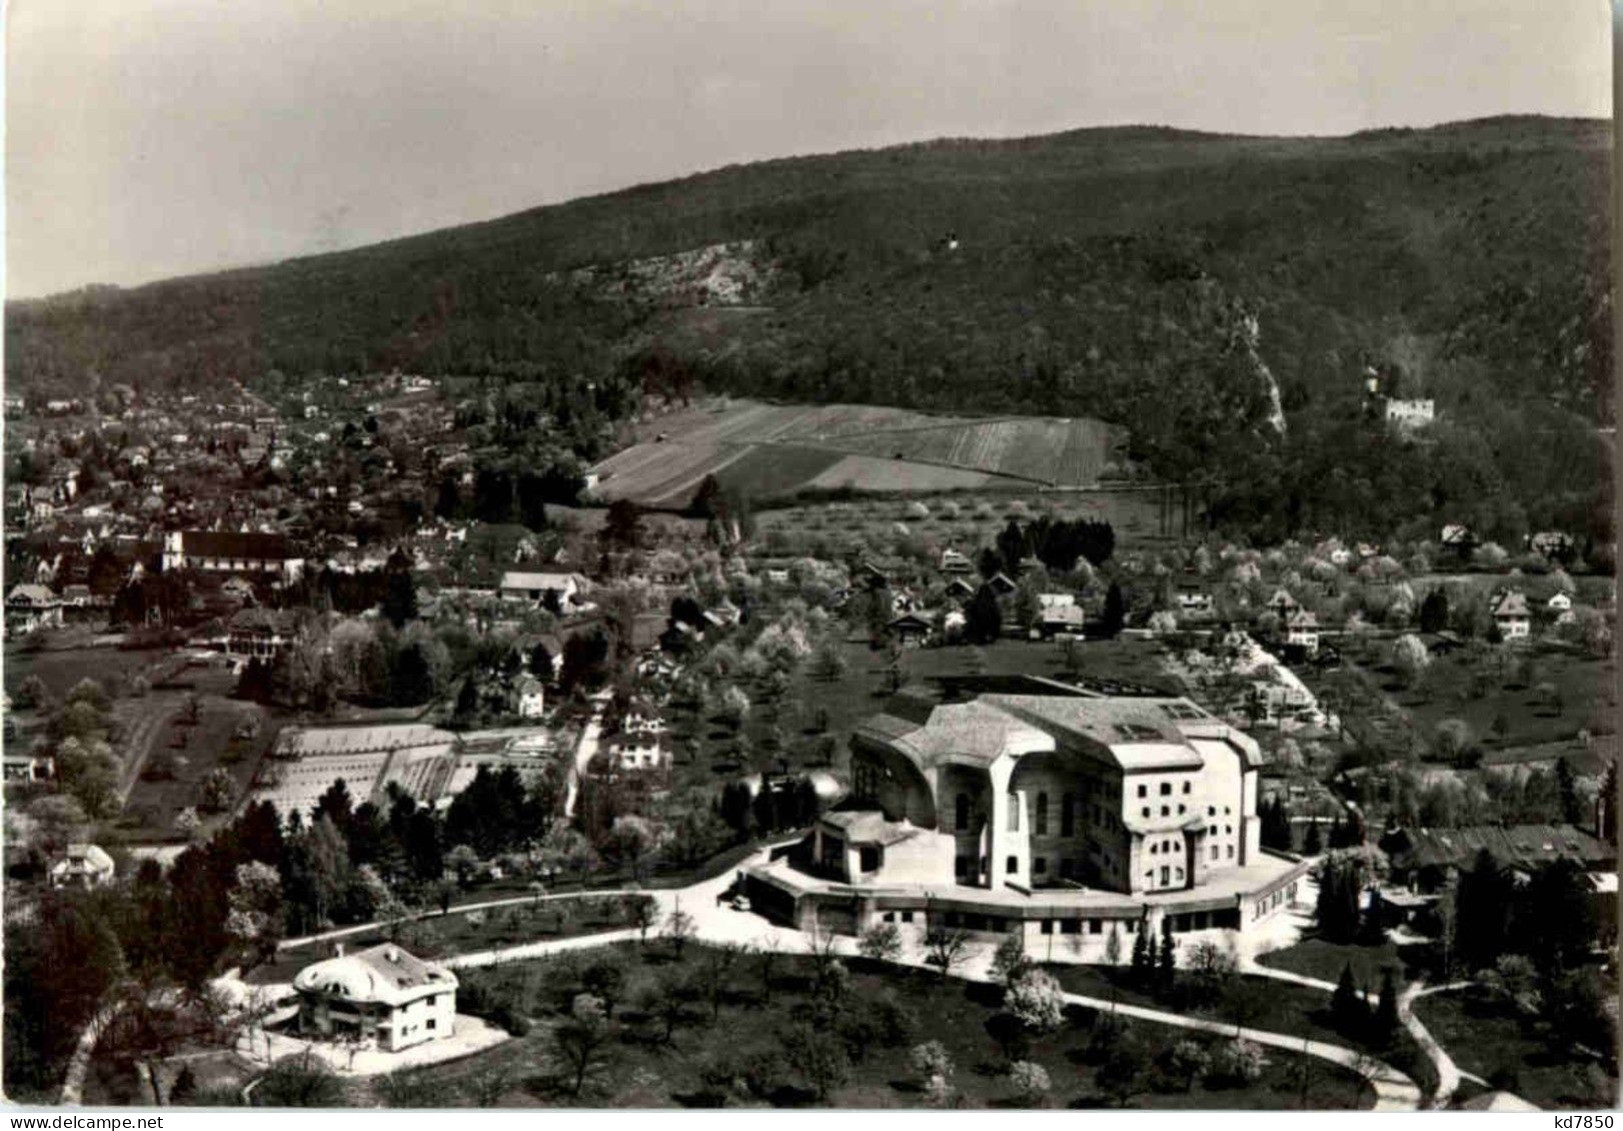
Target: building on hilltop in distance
<point x="1027" y="805"/>
<point x="229" y="551"/>
<point x="1405" y="415"/>
<point x="382" y="994"/>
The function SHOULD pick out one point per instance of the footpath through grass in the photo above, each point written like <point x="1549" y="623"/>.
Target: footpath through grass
<point x="733" y="1022"/>
<point x="1515" y="1056"/>
<point x="1254" y="1002"/>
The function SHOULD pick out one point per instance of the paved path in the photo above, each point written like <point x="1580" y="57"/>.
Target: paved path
<point x="73" y="1081"/>
<point x="1393" y="1090"/>
<point x="457" y="909"/>
<point x="1449" y="1074"/>
<point x="471" y="1035"/>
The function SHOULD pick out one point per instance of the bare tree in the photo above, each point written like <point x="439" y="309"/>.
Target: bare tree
<point x="945" y="947"/>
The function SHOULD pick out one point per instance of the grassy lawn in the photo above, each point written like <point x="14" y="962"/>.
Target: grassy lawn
<point x="1318" y="958"/>
<point x="465" y="932"/>
<point x="192" y="752"/>
<point x="1498" y="1049"/>
<point x="1269" y="1005"/>
<point x="1587" y="690"/>
<point x="865" y="686"/>
<point x="638" y="1069"/>
<point x="62" y="668"/>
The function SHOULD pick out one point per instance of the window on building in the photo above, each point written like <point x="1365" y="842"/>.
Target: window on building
<point x="960" y="866"/>
<point x="1070" y="926"/>
<point x="1047" y="926"/>
<point x="1166" y="874"/>
<point x="1228" y="828"/>
<point x="1211" y="830"/>
<point x="1143" y="791"/>
<point x="431" y="1024"/>
<point x="429" y="1001"/>
<point x="1014" y="812"/>
<point x="1039" y="866"/>
<point x="1180" y="810"/>
<point x="1146" y="810"/>
<point x="1216" y="852"/>
<point x="890" y="916"/>
<point x="1166" y="810"/>
<point x="1178" y="874"/>
<point x="907" y="916"/>
<point x="1231" y="852"/>
<point x="1186" y="787"/>
<point x="1095" y="926"/>
<point x="1166" y="789"/>
<point x="1067" y="815"/>
<point x="1042" y="814"/>
<point x="963" y="810"/>
<point x="1132" y="926"/>
<point x="1012" y="865"/>
<point x="1211" y="810"/>
<point x="1155" y="848"/>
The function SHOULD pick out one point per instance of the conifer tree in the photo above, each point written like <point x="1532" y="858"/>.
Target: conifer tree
<point x="1142" y="960"/>
<point x="1168" y="964"/>
<point x="1386" y="1011"/>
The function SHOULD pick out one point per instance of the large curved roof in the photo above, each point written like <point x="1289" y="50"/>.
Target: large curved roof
<point x="384" y="974"/>
<point x="1133" y="733"/>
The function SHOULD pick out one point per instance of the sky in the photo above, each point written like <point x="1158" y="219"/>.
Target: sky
<point x="151" y="138"/>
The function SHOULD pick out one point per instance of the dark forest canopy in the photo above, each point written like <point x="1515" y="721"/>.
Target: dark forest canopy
<point x="1114" y="273"/>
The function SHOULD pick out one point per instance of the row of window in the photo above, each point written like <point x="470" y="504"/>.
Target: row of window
<point x="1166" y="789"/>
<point x="963" y="814"/>
<point x="1094" y="926"/>
<point x="1068" y="869"/>
<point x="1168" y="875"/>
<point x="1166" y="810"/>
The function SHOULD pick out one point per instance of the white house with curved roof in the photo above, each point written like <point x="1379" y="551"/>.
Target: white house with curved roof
<point x="382" y="994"/>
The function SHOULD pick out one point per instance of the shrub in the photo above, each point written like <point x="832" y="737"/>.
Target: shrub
<point x="1037" y="1000"/>
<point x="1030" y="1081"/>
<point x="1234" y="1064"/>
<point x="931" y="1059"/>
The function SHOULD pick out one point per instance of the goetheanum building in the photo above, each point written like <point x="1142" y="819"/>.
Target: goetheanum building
<point x="1026" y="804"/>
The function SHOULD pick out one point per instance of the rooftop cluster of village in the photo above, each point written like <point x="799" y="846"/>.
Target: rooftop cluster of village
<point x="284" y="661"/>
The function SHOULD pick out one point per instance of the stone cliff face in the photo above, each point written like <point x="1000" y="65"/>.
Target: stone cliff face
<point x="1252" y="334"/>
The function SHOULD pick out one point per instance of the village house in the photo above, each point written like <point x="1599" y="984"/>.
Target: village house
<point x="1423" y="861"/>
<point x="382" y="994"/>
<point x="1059" y="613"/>
<point x="529" y="697"/>
<point x="560" y="591"/>
<point x="1511" y="615"/>
<point x="1022" y="805"/>
<point x="1458" y="539"/>
<point x="82" y="866"/>
<point x="227" y="551"/>
<point x="30" y="607"/>
<point x="1552" y="543"/>
<point x="910" y="629"/>
<point x="1302" y="631"/>
<point x="1001" y="585"/>
<point x="955" y="564"/>
<point x="1282" y="604"/>
<point x="1411" y="414"/>
<point x="1194" y="601"/>
<point x="1559" y="607"/>
<point x="958" y="590"/>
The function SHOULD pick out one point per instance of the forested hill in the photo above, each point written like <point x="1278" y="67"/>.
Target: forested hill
<point x="1112" y="272"/>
